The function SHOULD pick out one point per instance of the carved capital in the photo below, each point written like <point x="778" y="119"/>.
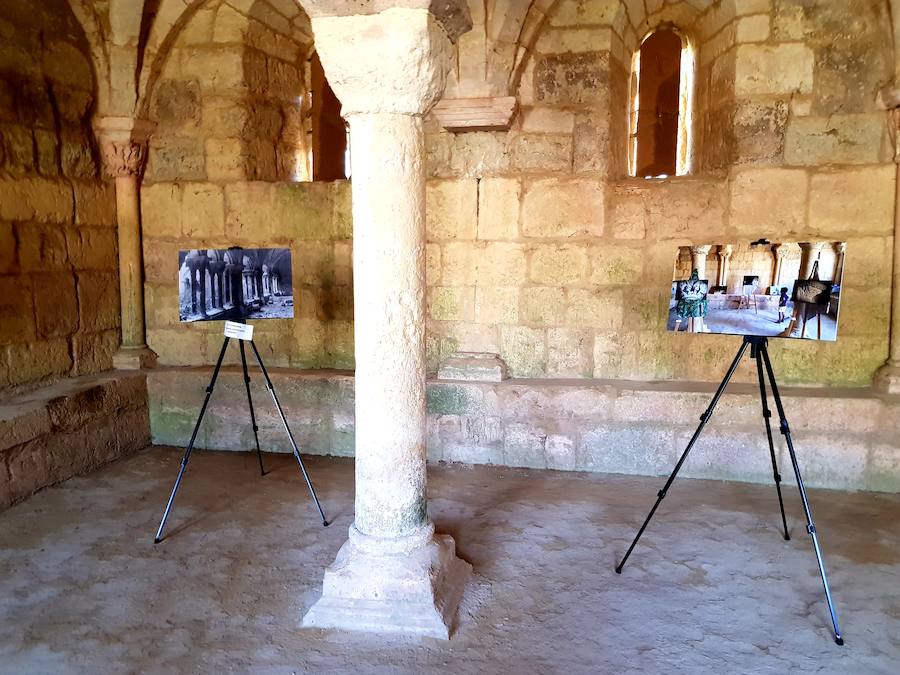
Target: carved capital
<point x="123" y="144"/>
<point x="701" y="250"/>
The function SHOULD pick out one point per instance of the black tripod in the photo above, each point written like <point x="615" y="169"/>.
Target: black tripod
<point x="209" y="391"/>
<point x="759" y="352"/>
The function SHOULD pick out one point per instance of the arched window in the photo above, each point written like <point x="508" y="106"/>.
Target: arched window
<point x="329" y="147"/>
<point x="662" y="106"/>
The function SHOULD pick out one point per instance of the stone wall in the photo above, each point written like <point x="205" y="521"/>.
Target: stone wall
<point x="59" y="291"/>
<point x="69" y="428"/>
<point x="845" y="439"/>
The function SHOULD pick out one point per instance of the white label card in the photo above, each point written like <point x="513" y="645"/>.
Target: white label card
<point x="239" y="331"/>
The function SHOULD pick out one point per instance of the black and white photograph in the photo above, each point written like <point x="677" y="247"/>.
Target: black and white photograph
<point x="235" y="284"/>
<point x="786" y="289"/>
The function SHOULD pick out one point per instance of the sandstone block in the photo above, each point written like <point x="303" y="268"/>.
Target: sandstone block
<point x="499" y="264"/>
<point x="458" y="263"/>
<point x="98" y="300"/>
<point x="558" y="264"/>
<point x="161" y="210"/>
<point x="304" y="211"/>
<point x="226" y="159"/>
<point x="473" y="366"/>
<point x="93" y="352"/>
<point x="8" y="255"/>
<point x="38" y="360"/>
<point x="455" y="303"/>
<point x="680" y="208"/>
<point x="95" y="203"/>
<point x="432" y="264"/>
<point x="768" y="201"/>
<point x="524" y="351"/>
<point x="540" y="305"/>
<point x="572" y="79"/>
<point x="570" y="353"/>
<point x="548" y="121"/>
<point x="176" y="158"/>
<point x="55" y="305"/>
<point x="42" y="247"/>
<point x="628" y="449"/>
<point x="563" y="208"/>
<point x="592" y="149"/>
<point x="92" y="248"/>
<point x="868" y="262"/>
<point x="627" y="217"/>
<point x="17" y="309"/>
<point x="561" y="452"/>
<point x="759" y="130"/>
<point x="594" y="308"/>
<point x="40" y="199"/>
<point x="541" y="152"/>
<point x="523" y="445"/>
<point x="248" y="211"/>
<point x="837" y="139"/>
<point x="616" y="264"/>
<point x="451" y="208"/>
<point x="202" y="210"/>
<point x="753" y="28"/>
<point x="20" y="424"/>
<point x="780" y="69"/>
<point x="574" y="40"/>
<point x="498" y="208"/>
<point x="859" y="200"/>
<point x="497" y="304"/>
<point x="586" y="13"/>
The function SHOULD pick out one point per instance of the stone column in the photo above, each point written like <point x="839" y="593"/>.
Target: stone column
<point x="809" y="253"/>
<point x="123" y="144"/>
<point x="394" y="573"/>
<point x="840" y="250"/>
<point x="698" y="259"/>
<point x="724" y="258"/>
<point x="887" y="379"/>
<point x="780" y="251"/>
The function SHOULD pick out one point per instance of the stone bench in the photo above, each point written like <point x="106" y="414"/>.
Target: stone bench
<point x="69" y="428"/>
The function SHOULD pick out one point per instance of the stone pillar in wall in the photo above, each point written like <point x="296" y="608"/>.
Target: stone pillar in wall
<point x="724" y="259"/>
<point x="698" y="259"/>
<point x="887" y="379"/>
<point x="123" y="145"/>
<point x="394" y="573"/>
<point x="809" y="253"/>
<point x="780" y="251"/>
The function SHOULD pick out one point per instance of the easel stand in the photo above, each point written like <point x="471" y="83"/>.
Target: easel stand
<point x="759" y="352"/>
<point x="209" y="391"/>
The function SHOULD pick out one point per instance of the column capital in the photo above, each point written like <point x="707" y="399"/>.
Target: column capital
<point x="726" y="251"/>
<point x="813" y="245"/>
<point x="393" y="61"/>
<point x="780" y="250"/>
<point x="701" y="250"/>
<point x="123" y="144"/>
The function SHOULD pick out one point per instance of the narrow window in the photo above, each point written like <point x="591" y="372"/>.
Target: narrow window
<point x="661" y="109"/>
<point x="329" y="131"/>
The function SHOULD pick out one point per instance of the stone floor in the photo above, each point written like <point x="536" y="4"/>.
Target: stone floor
<point x="713" y="587"/>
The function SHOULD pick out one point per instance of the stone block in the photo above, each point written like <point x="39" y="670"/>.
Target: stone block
<point x="540" y="305"/>
<point x="868" y="262"/>
<point x="548" y="121"/>
<point x="305" y="211"/>
<point x="41" y="199"/>
<point x="226" y="159"/>
<point x="570" y="353"/>
<point x="177" y="104"/>
<point x="42" y="247"/>
<point x="20" y="423"/>
<point x="92" y="248"/>
<point x="17" y="309"/>
<point x="454" y="399"/>
<point x="160" y="260"/>
<point x="497" y="304"/>
<point x="161" y="210"/>
<point x="35" y="361"/>
<point x="586" y="13"/>
<point x="591" y="146"/>
<point x="753" y="28"/>
<point x="686" y="207"/>
<point x="498" y="264"/>
<point x="768" y="201"/>
<point x="248" y="211"/>
<point x="627" y="217"/>
<point x="451" y="207"/>
<point x="780" y="69"/>
<point x="523" y="445"/>
<point x="432" y="264"/>
<point x="836" y="139"/>
<point x="95" y="203"/>
<point x="628" y="449"/>
<point x="572" y="79"/>
<point x="98" y="300"/>
<point x="56" y="305"/>
<point x="342" y="213"/>
<point x="594" y="308"/>
<point x="563" y="208"/>
<point x="176" y="159"/>
<point x="456" y="303"/>
<point x="473" y="366"/>
<point x="858" y="200"/>
<point x="202" y="210"/>
<point x="574" y="40"/>
<point x="93" y="352"/>
<point x="541" y="152"/>
<point x="498" y="208"/>
<point x="558" y="264"/>
<point x="616" y="265"/>
<point x="9" y="258"/>
<point x="524" y="350"/>
<point x="561" y="452"/>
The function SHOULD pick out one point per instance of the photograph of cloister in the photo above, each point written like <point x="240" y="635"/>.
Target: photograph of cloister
<point x="235" y="284"/>
<point x="790" y="290"/>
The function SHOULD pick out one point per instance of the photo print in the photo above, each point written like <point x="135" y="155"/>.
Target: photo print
<point x="235" y="284"/>
<point x="787" y="289"/>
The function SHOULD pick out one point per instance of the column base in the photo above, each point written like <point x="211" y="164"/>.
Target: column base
<point x="409" y="585"/>
<point x="134" y="358"/>
<point x="887" y="379"/>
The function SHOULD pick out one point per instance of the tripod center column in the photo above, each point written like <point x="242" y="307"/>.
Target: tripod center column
<point x="388" y="69"/>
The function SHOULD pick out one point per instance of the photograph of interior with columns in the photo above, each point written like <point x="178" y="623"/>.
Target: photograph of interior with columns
<point x="485" y="206"/>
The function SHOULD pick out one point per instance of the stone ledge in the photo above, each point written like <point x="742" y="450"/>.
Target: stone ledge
<point x="72" y="426"/>
<point x="846" y="438"/>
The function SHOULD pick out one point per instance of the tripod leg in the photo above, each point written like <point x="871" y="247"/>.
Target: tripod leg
<point x="704" y="418"/>
<point x="284" y="421"/>
<point x="810" y="525"/>
<point x="262" y="471"/>
<point x="190" y="447"/>
<point x="767" y="414"/>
